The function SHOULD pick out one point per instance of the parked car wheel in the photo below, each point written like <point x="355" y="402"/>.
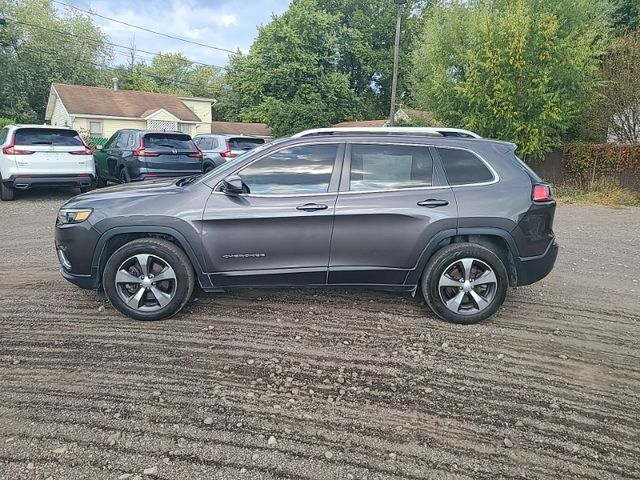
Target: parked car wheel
<point x="148" y="279"/>
<point x="124" y="176"/>
<point x="86" y="189"/>
<point x="464" y="283"/>
<point x="6" y="193"/>
<point x="100" y="182"/>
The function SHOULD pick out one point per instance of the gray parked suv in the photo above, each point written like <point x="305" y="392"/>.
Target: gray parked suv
<point x="459" y="219"/>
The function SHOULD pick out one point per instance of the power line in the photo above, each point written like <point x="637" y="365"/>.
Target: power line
<point x="112" y="44"/>
<point x="78" y="61"/>
<point x="89" y="12"/>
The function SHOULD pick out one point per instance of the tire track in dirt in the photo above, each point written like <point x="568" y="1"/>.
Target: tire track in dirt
<point x="405" y="397"/>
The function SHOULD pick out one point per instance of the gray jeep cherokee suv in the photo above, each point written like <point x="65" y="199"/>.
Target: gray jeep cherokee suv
<point x="460" y="219"/>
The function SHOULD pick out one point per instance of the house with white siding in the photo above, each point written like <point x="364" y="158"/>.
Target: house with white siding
<point x="100" y="112"/>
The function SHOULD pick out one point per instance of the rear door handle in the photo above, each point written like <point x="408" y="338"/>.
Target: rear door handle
<point x="312" y="207"/>
<point x="432" y="203"/>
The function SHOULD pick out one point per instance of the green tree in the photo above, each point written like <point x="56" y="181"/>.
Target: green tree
<point x="39" y="46"/>
<point x="519" y="70"/>
<point x="290" y="79"/>
<point x="366" y="47"/>
<point x="170" y="73"/>
<point x="626" y="15"/>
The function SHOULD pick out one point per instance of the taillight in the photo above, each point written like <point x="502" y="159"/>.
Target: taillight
<point x="227" y="152"/>
<point x="12" y="150"/>
<point x="141" y="152"/>
<point x="85" y="151"/>
<point x="198" y="153"/>
<point x="541" y="193"/>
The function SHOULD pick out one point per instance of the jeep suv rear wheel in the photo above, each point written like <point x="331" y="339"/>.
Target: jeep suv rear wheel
<point x="148" y="279"/>
<point x="464" y="283"/>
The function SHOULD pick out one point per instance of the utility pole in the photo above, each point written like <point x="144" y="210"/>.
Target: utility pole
<point x="396" y="59"/>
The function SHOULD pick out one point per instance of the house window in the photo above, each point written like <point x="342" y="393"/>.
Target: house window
<point x="95" y="128"/>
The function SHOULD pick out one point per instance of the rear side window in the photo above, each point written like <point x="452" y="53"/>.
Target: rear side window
<point x="3" y="135"/>
<point x="204" y="143"/>
<point x="48" y="136"/>
<point x="390" y="167"/>
<point x="169" y="141"/>
<point x="463" y="167"/>
<point x="244" y="143"/>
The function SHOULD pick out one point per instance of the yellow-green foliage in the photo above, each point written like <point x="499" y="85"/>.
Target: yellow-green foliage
<point x="518" y="70"/>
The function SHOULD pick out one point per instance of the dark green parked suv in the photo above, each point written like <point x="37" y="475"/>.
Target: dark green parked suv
<point x="131" y="155"/>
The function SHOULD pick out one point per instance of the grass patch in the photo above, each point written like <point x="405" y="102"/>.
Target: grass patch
<point x="599" y="194"/>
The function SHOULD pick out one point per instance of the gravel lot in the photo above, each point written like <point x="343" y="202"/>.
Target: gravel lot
<point x="323" y="384"/>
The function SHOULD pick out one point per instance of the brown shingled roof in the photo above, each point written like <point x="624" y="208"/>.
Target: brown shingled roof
<point x="241" y="128"/>
<point x="79" y="100"/>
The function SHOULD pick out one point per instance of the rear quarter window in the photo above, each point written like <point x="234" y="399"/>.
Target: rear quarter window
<point x="164" y="141"/>
<point x="464" y="167"/>
<point x="3" y="135"/>
<point x="48" y="136"/>
<point x="245" y="143"/>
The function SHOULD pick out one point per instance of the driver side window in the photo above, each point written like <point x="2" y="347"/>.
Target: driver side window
<point x="301" y="170"/>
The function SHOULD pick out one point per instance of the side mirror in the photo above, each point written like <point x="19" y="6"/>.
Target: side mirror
<point x="99" y="147"/>
<point x="232" y="185"/>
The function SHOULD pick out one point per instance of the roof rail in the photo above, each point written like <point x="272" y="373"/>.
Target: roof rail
<point x="430" y="131"/>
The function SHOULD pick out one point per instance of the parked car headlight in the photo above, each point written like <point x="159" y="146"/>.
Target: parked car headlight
<point x="73" y="215"/>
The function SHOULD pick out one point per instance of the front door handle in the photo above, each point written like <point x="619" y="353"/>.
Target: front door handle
<point x="432" y="203"/>
<point x="312" y="207"/>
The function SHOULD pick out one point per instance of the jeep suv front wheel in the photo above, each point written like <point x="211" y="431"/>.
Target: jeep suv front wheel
<point x="148" y="279"/>
<point x="464" y="283"/>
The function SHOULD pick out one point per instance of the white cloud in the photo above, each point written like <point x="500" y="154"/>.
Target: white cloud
<point x="228" y="19"/>
<point x="227" y="24"/>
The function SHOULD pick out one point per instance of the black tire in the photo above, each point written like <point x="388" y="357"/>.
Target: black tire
<point x="159" y="249"/>
<point x="86" y="189"/>
<point x="7" y="193"/>
<point x="471" y="311"/>
<point x="123" y="175"/>
<point x="100" y="182"/>
<point x="208" y="168"/>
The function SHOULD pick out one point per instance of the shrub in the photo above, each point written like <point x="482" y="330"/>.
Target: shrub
<point x="6" y="121"/>
<point x="588" y="162"/>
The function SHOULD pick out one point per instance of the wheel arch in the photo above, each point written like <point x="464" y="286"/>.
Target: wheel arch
<point x="114" y="238"/>
<point x="496" y="239"/>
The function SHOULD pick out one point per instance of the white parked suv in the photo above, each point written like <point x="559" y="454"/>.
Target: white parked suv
<point x="43" y="156"/>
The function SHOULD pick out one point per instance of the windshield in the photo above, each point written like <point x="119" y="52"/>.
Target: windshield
<point x="231" y="164"/>
<point x="48" y="136"/>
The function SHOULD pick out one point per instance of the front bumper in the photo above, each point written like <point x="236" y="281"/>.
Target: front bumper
<point x="75" y="245"/>
<point x="25" y="182"/>
<point x="88" y="282"/>
<point x="532" y="269"/>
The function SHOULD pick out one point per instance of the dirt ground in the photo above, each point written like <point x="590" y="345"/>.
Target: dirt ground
<point x="314" y="384"/>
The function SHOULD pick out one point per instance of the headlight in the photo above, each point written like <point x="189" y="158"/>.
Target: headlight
<point x="73" y="215"/>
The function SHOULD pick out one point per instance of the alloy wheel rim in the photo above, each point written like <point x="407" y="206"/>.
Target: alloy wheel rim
<point x="467" y="286"/>
<point x="146" y="282"/>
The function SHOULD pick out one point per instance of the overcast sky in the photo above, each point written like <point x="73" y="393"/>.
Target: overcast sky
<point x="229" y="24"/>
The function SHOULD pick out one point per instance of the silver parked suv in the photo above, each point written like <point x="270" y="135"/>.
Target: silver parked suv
<point x="457" y="218"/>
<point x="219" y="149"/>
